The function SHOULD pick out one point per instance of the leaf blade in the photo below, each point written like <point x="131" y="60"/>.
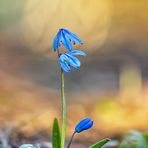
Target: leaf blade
<point x="100" y="143"/>
<point x="56" y="137"/>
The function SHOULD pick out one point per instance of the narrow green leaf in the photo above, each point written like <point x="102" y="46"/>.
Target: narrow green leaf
<point x="99" y="144"/>
<point x="56" y="137"/>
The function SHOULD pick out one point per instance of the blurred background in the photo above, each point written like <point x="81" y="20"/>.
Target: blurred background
<point x="111" y="87"/>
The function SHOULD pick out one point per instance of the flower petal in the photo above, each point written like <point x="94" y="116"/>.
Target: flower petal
<point x="73" y="61"/>
<point x="56" y="41"/>
<point x="72" y="36"/>
<point x="82" y="123"/>
<point x="64" y="65"/>
<point x="88" y="125"/>
<point x="65" y="41"/>
<point x="77" y="52"/>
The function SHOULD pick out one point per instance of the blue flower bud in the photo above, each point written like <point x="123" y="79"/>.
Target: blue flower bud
<point x="84" y="124"/>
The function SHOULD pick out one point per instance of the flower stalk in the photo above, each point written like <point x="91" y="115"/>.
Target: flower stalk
<point x="63" y="130"/>
<point x="63" y="100"/>
<point x="70" y="139"/>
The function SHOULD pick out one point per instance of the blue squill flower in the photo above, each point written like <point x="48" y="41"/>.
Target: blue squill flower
<point x="84" y="124"/>
<point x="67" y="60"/>
<point x="66" y="38"/>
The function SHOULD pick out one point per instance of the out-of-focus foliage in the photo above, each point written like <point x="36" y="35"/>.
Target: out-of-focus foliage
<point x="27" y="146"/>
<point x="135" y="139"/>
<point x="111" y="144"/>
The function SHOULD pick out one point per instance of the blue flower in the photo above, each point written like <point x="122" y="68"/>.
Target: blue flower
<point x="67" y="60"/>
<point x="66" y="38"/>
<point x="84" y="124"/>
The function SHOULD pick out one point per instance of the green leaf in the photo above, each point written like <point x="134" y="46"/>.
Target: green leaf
<point x="99" y="144"/>
<point x="56" y="137"/>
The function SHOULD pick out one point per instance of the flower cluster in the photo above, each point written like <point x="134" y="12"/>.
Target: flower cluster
<point x="67" y="39"/>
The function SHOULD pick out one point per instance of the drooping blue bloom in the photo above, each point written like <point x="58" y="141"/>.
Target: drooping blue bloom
<point x="84" y="124"/>
<point x="67" y="60"/>
<point x="66" y="38"/>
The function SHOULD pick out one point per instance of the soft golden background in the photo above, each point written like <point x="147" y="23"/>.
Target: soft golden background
<point x="111" y="87"/>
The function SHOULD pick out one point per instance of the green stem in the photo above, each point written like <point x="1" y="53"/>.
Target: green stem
<point x="63" y="131"/>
